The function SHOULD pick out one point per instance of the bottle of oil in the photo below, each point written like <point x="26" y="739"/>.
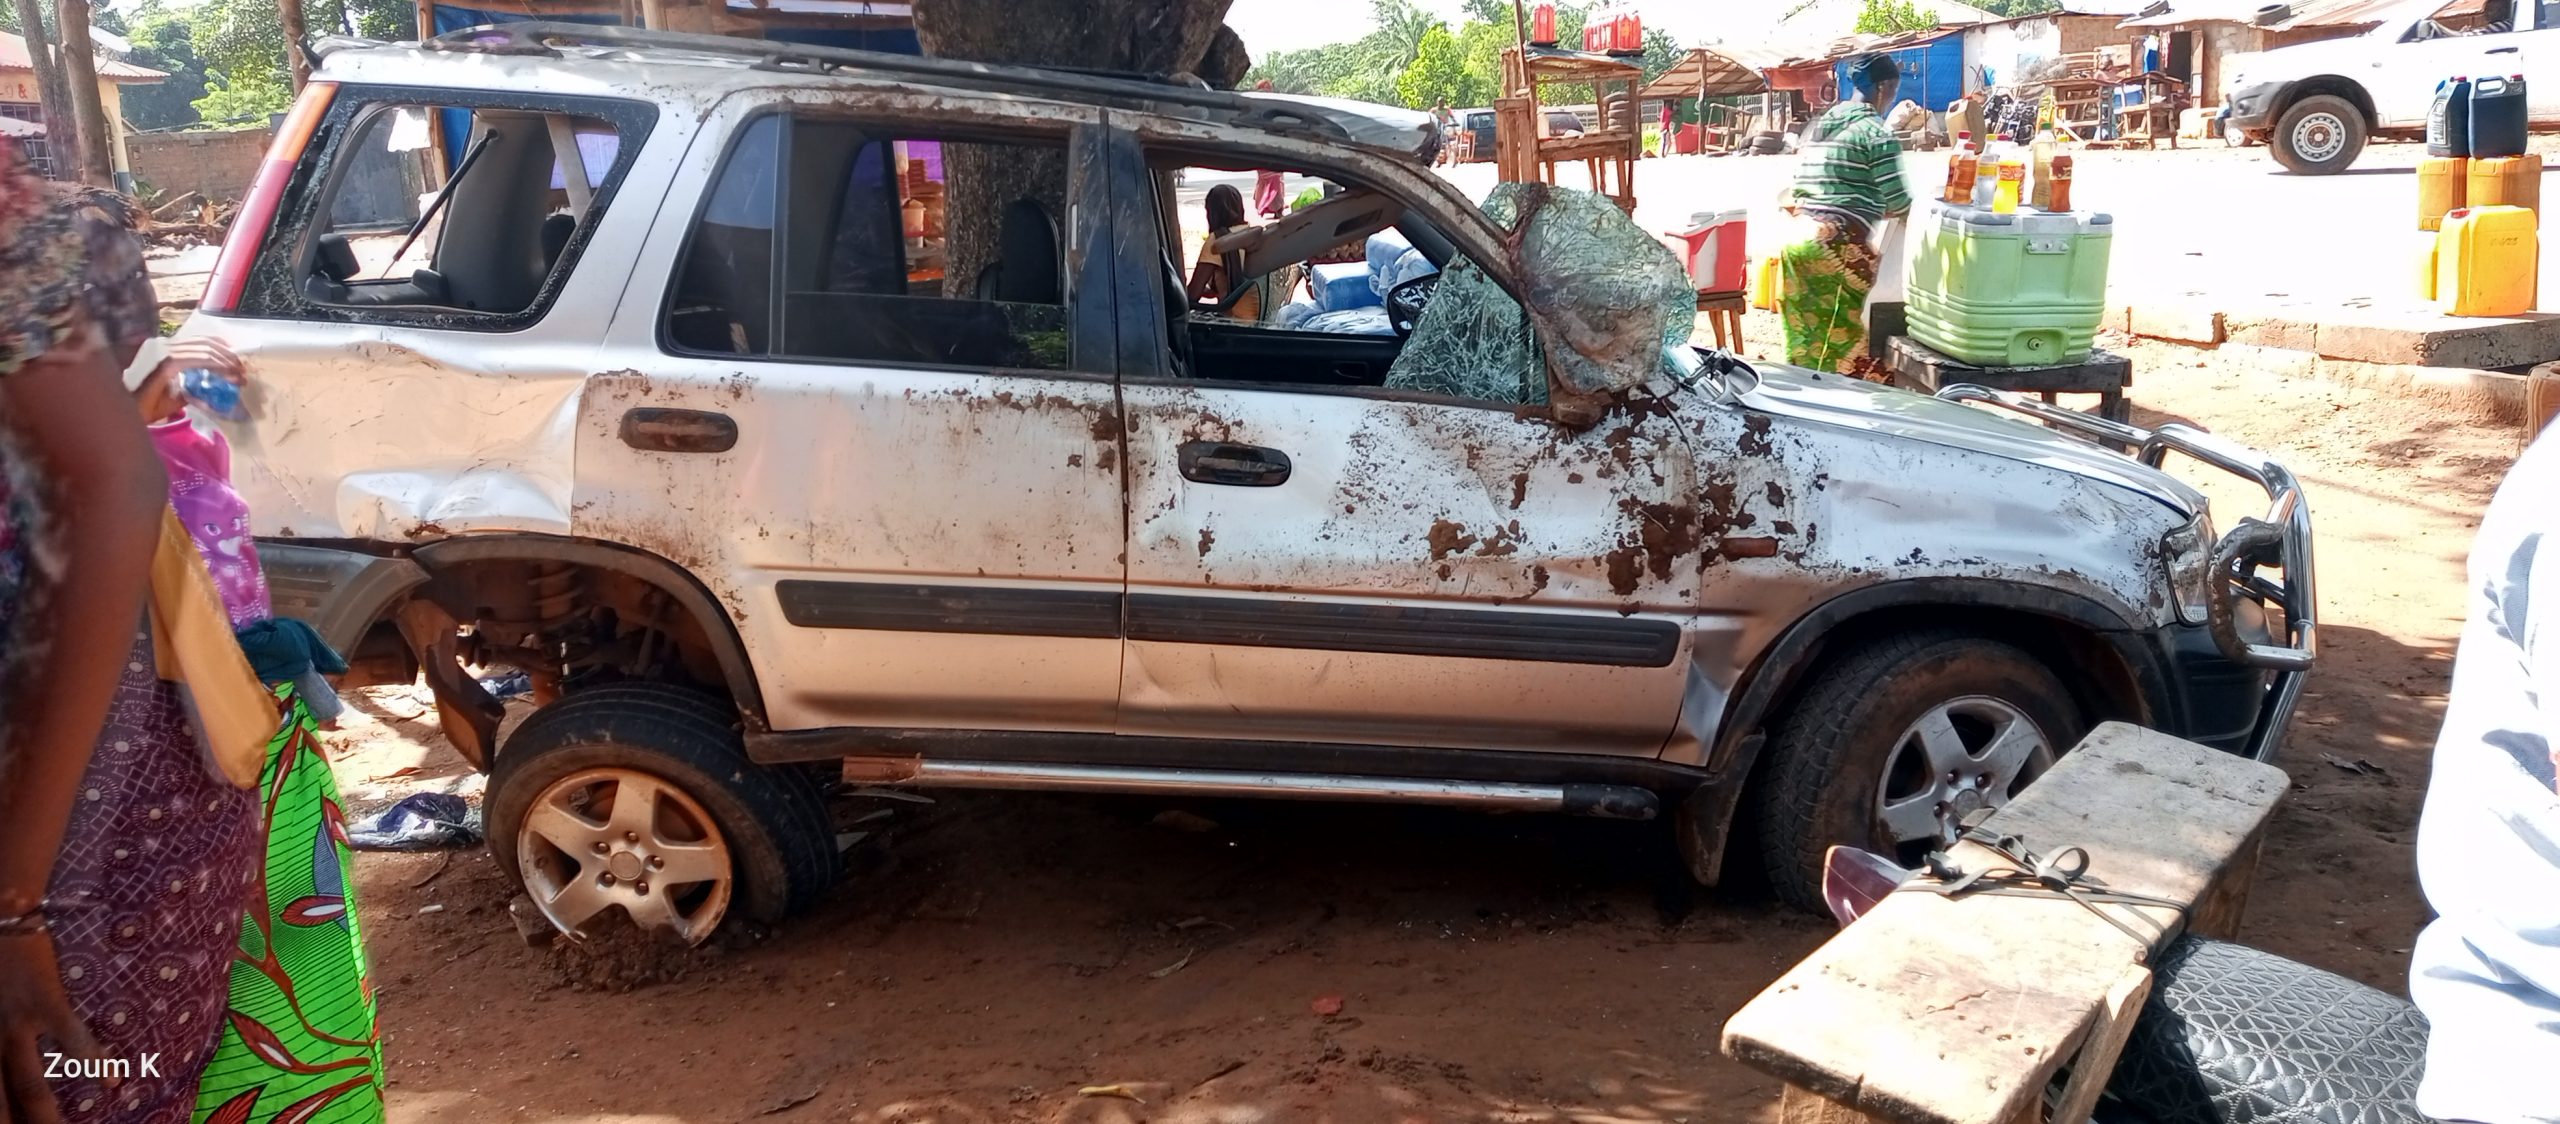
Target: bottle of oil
<point x="2040" y="158"/>
<point x="1986" y="178"/>
<point x="2058" y="195"/>
<point x="1963" y="168"/>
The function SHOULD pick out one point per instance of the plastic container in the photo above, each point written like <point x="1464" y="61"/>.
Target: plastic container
<point x="2426" y="246"/>
<point x="2497" y="117"/>
<point x="2013" y="179"/>
<point x="1711" y="249"/>
<point x="2440" y="188"/>
<point x="2486" y="262"/>
<point x="1986" y="179"/>
<point x="1765" y="284"/>
<point x="1542" y="23"/>
<point x="2058" y="197"/>
<point x="2022" y="290"/>
<point x="217" y="395"/>
<point x="2501" y="181"/>
<point x="2449" y="120"/>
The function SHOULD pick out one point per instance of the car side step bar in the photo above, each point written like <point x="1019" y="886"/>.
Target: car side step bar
<point x="1605" y="801"/>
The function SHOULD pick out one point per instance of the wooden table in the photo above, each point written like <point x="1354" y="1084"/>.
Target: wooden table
<point x="1938" y="1010"/>
<point x="2103" y="373"/>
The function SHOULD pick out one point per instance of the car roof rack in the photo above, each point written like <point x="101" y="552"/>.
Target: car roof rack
<point x="536" y="37"/>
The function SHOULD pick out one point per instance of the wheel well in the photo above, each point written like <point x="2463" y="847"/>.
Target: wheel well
<point x="2101" y="684"/>
<point x="2347" y="88"/>
<point x="566" y="612"/>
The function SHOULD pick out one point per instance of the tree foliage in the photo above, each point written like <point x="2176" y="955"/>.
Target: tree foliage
<point x="1402" y="63"/>
<point x="2012" y="9"/>
<point x="1890" y="17"/>
<point x="163" y="40"/>
<point x="241" y="43"/>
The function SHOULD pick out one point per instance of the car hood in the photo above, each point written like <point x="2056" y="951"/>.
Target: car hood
<point x="1839" y="401"/>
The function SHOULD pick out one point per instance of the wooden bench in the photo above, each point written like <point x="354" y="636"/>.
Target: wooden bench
<point x="1938" y="1010"/>
<point x="2103" y="373"/>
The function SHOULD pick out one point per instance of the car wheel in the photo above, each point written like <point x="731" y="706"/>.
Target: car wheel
<point x="1885" y="740"/>
<point x="2319" y="135"/>
<point x="639" y="797"/>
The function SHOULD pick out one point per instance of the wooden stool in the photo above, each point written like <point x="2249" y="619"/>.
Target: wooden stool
<point x="1724" y="315"/>
<point x="2103" y="373"/>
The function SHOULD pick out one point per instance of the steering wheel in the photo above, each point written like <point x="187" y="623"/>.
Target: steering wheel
<point x="1406" y="301"/>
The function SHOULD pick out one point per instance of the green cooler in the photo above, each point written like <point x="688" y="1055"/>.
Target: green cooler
<point x="2016" y="290"/>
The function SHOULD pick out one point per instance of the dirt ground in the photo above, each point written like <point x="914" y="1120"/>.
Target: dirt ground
<point x="990" y="955"/>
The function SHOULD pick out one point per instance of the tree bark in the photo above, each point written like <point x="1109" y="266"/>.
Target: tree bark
<point x="297" y="32"/>
<point x="61" y="124"/>
<point x="1144" y="36"/>
<point x="97" y="162"/>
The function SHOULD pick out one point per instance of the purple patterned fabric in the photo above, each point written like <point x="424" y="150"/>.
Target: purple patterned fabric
<point x="145" y="904"/>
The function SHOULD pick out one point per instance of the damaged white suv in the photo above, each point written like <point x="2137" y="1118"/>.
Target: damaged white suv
<point x="773" y="405"/>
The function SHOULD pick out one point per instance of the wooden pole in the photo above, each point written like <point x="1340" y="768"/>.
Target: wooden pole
<point x="96" y="157"/>
<point x="297" y="35"/>
<point x="62" y="125"/>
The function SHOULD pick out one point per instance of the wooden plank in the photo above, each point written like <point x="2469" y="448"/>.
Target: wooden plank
<point x="2096" y="1060"/>
<point x="1932" y="1010"/>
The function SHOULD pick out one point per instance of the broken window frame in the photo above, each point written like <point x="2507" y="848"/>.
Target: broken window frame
<point x="290" y="252"/>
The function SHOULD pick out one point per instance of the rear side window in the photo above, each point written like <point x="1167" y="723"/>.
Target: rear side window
<point x="839" y="242"/>
<point x="456" y="211"/>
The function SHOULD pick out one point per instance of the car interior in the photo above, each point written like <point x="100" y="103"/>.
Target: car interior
<point x="1362" y="271"/>
<point x="877" y="288"/>
<point x="512" y="200"/>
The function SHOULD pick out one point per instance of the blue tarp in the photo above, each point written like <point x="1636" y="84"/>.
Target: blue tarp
<point x="1932" y="72"/>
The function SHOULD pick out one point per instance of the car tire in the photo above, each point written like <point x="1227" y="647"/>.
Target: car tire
<point x="771" y="822"/>
<point x="1847" y="745"/>
<point x="2319" y="135"/>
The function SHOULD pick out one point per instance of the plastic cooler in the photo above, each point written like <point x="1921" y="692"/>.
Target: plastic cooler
<point x="2016" y="290"/>
<point x="1711" y="249"/>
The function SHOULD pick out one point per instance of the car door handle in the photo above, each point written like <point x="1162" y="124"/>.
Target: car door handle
<point x="2499" y="51"/>
<point x="658" y="430"/>
<point x="1242" y="466"/>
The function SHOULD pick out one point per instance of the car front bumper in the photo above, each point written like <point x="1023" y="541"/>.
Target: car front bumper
<point x="2254" y="106"/>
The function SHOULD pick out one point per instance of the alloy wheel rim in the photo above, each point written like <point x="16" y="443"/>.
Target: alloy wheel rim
<point x="612" y="837"/>
<point x="1964" y="755"/>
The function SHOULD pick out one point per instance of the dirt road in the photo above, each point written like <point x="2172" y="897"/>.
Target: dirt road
<point x="994" y="953"/>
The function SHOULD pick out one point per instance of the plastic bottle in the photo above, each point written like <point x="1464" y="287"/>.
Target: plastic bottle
<point x="1986" y="177"/>
<point x="1542" y="23"/>
<point x="2058" y="196"/>
<point x="1630" y="30"/>
<point x="2449" y="118"/>
<point x="2004" y="196"/>
<point x="1963" y="168"/>
<point x="215" y="393"/>
<point x="2040" y="156"/>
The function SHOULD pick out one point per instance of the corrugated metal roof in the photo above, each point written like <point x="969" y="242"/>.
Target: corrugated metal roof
<point x="1709" y="72"/>
<point x="13" y="56"/>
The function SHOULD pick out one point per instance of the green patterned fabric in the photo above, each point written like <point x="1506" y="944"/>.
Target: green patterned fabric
<point x="299" y="1044"/>
<point x="1825" y="279"/>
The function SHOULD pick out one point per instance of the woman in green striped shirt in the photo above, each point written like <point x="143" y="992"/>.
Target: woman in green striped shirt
<point x="1850" y="179"/>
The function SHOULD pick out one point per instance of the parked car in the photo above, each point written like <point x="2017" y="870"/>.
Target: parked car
<point x="1477" y="124"/>
<point x="2314" y="105"/>
<point x="767" y="414"/>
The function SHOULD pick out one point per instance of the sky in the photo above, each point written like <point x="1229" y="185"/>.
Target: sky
<point x="1287" y="25"/>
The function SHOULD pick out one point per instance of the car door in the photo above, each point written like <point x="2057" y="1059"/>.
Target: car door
<point x="417" y="356"/>
<point x="1372" y="566"/>
<point x="2405" y="74"/>
<point x="903" y="482"/>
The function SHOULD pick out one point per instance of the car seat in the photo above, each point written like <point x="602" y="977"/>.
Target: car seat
<point x="1027" y="268"/>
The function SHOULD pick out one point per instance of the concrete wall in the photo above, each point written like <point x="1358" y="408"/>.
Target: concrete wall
<point x="218" y="165"/>
<point x="2010" y="46"/>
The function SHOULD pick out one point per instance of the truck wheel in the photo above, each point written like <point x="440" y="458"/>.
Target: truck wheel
<point x="1885" y="739"/>
<point x="2319" y="135"/>
<point x="639" y="796"/>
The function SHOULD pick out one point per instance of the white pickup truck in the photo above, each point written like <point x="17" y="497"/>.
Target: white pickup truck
<point x="2314" y="105"/>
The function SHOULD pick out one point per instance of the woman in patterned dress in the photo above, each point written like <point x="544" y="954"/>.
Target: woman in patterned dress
<point x="123" y="854"/>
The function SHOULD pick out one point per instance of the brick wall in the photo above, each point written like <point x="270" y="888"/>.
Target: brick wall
<point x="217" y="164"/>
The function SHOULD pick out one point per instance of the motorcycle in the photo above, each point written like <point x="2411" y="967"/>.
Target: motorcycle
<point x="2230" y="1034"/>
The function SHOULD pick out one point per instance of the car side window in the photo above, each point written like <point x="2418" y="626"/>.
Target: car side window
<point x="841" y="242"/>
<point x="1293" y="279"/>
<point x="460" y="214"/>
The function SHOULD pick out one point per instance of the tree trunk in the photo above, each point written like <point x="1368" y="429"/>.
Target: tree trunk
<point x="297" y="33"/>
<point x="97" y="160"/>
<point x="61" y="124"/>
<point x="1145" y="36"/>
